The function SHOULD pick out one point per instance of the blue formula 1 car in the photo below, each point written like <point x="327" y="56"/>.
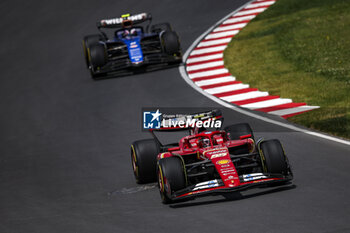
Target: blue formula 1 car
<point x="132" y="48"/>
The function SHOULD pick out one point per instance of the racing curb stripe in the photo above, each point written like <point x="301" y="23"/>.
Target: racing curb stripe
<point x="209" y="65"/>
<point x="225" y="88"/>
<point x="267" y="103"/>
<point x="219" y="84"/>
<point x="209" y="73"/>
<point x="280" y="107"/>
<point x="234" y="106"/>
<point x="205" y="69"/>
<point x="211" y="77"/>
<point x="216" y="80"/>
<point x="221" y="34"/>
<point x="204" y="62"/>
<point x="255" y="101"/>
<point x="206" y="54"/>
<point x="204" y="66"/>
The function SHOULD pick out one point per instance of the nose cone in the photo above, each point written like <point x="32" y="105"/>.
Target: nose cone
<point x="220" y="157"/>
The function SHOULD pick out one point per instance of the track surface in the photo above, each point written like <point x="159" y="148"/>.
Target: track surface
<point x="64" y="152"/>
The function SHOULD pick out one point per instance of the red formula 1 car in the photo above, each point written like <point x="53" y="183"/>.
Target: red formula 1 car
<point x="208" y="162"/>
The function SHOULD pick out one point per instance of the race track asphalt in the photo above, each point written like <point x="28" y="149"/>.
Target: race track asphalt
<point x="64" y="138"/>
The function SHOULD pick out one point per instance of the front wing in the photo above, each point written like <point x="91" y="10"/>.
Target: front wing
<point x="192" y="191"/>
<point x="151" y="62"/>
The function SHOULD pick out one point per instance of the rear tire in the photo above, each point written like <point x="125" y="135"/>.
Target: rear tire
<point x="171" y="177"/>
<point x="237" y="130"/>
<point x="234" y="132"/>
<point x="144" y="160"/>
<point x="273" y="157"/>
<point x="157" y="28"/>
<point x="170" y="42"/>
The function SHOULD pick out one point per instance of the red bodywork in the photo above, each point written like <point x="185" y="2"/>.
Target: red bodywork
<point x="218" y="153"/>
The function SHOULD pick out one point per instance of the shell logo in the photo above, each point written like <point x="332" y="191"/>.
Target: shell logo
<point x="223" y="161"/>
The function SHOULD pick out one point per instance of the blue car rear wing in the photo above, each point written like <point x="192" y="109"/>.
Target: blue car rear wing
<point x="124" y="20"/>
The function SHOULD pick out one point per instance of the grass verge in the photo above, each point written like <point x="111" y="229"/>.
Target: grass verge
<point x="301" y="50"/>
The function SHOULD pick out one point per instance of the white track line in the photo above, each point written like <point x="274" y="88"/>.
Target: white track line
<point x="221" y="34"/>
<point x="288" y="111"/>
<point x="253" y="5"/>
<point x="205" y="65"/>
<point x="238" y="109"/>
<point x="231" y="27"/>
<point x="214" y="42"/>
<point x="245" y="96"/>
<point x="232" y="87"/>
<point x="208" y="73"/>
<point x="215" y="81"/>
<point x="204" y="58"/>
<point x="209" y="50"/>
<point x="267" y="103"/>
<point x="239" y="19"/>
<point x="248" y="12"/>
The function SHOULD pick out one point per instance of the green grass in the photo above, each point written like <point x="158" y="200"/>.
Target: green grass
<point x="300" y="49"/>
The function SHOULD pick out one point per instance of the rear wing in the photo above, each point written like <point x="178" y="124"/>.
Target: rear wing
<point x="117" y="22"/>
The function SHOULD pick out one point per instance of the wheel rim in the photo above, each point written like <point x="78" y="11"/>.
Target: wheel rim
<point x="134" y="163"/>
<point x="160" y="180"/>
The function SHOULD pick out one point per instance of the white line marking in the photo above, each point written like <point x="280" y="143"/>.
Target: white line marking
<point x="259" y="10"/>
<point x="208" y="73"/>
<point x="221" y="34"/>
<point x="205" y="65"/>
<point x="214" y="42"/>
<point x="239" y="19"/>
<point x="253" y="5"/>
<point x="232" y="87"/>
<point x="235" y="26"/>
<point x="238" y="109"/>
<point x="208" y="50"/>
<point x="204" y="58"/>
<point x="215" y="81"/>
<point x="266" y="103"/>
<point x="287" y="111"/>
<point x="244" y="96"/>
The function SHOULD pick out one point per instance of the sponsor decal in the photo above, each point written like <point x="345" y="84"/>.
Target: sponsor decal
<point x="124" y="17"/>
<point x="223" y="161"/>
<point x="157" y="120"/>
<point x="133" y="45"/>
<point x="206" y="184"/>
<point x="211" y="183"/>
<point x="218" y="155"/>
<point x="253" y="176"/>
<point x="151" y="120"/>
<point x="186" y="122"/>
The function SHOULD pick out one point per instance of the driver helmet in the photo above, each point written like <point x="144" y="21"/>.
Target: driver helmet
<point x="204" y="142"/>
<point x="127" y="23"/>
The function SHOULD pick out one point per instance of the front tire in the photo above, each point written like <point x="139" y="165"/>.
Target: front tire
<point x="87" y="42"/>
<point x="144" y="160"/>
<point x="171" y="177"/>
<point x="97" y="55"/>
<point x="273" y="157"/>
